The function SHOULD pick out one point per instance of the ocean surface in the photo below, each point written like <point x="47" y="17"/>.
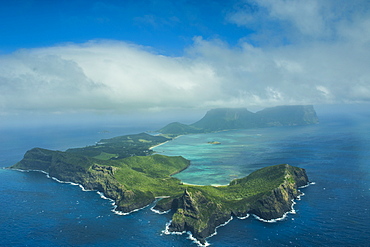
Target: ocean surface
<point x="335" y="210"/>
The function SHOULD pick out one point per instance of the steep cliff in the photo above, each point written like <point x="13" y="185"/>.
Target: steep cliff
<point x="267" y="193"/>
<point x="198" y="213"/>
<point x="83" y="170"/>
<point x="287" y="116"/>
<point x="227" y="118"/>
<point x="134" y="182"/>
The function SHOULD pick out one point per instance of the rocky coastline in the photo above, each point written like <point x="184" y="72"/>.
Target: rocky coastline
<point x="125" y="170"/>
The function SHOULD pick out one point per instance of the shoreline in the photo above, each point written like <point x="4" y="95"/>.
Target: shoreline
<point x="101" y="194"/>
<point x="151" y="148"/>
<point x="196" y="241"/>
<point x="292" y="210"/>
<point x="166" y="231"/>
<point x="190" y="236"/>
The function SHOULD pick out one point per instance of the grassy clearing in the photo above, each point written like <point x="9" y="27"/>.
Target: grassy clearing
<point x="105" y="156"/>
<point x="151" y="173"/>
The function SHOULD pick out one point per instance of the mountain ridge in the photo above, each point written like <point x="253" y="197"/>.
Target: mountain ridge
<point x="240" y="118"/>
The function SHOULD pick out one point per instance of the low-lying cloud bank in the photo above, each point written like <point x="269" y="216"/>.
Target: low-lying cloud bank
<point x="327" y="64"/>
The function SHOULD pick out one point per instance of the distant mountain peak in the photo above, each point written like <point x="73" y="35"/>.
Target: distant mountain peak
<point x="240" y="118"/>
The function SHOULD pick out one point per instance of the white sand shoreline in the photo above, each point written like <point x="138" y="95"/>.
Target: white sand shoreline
<point x="151" y="148"/>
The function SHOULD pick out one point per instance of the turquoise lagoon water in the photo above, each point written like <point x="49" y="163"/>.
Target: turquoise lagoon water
<point x="240" y="153"/>
<point x="37" y="211"/>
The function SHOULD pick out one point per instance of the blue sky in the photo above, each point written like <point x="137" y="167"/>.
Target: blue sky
<point x="119" y="57"/>
<point x="168" y="26"/>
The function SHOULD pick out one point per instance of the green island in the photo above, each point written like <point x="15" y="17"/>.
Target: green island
<point x="126" y="170"/>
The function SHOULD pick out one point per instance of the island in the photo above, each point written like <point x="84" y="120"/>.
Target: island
<point x="126" y="170"/>
<point x="221" y="119"/>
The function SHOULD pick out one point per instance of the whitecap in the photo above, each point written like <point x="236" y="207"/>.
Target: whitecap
<point x="269" y="221"/>
<point x="167" y="231"/>
<point x="243" y="217"/>
<point x="83" y="189"/>
<point x="196" y="241"/>
<point x="299" y="196"/>
<point x="159" y="212"/>
<point x="223" y="224"/>
<point x="103" y="196"/>
<point x="119" y="212"/>
<point x="124" y="213"/>
<point x="292" y="211"/>
<point x="305" y="186"/>
<point x="190" y="235"/>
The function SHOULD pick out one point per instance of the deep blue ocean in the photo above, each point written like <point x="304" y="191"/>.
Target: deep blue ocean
<point x="335" y="210"/>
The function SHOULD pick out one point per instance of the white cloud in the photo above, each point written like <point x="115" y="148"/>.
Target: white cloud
<point x="304" y="15"/>
<point x="112" y="76"/>
<point x="293" y="20"/>
<point x="104" y="75"/>
<point x="290" y="74"/>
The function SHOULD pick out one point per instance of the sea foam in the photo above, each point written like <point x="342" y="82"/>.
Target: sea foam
<point x="243" y="217"/>
<point x="159" y="212"/>
<point x="190" y="235"/>
<point x="292" y="211"/>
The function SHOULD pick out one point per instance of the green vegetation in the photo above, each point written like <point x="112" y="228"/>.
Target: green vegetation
<point x="105" y="156"/>
<point x="121" y="147"/>
<point x="125" y="169"/>
<point x="152" y="174"/>
<point x="177" y="128"/>
<point x="267" y="193"/>
<point x="134" y="182"/>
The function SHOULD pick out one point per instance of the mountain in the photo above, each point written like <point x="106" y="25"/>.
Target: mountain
<point x="177" y="128"/>
<point x="288" y="116"/>
<point x="226" y="118"/>
<point x="240" y="118"/>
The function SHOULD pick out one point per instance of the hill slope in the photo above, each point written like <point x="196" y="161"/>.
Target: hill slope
<point x="123" y="169"/>
<point x="135" y="182"/>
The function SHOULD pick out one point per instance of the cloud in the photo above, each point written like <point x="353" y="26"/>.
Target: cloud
<point x="105" y="75"/>
<point x="315" y="73"/>
<point x="326" y="63"/>
<point x="301" y="20"/>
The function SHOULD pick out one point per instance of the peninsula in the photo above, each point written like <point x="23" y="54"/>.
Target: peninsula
<point x="126" y="170"/>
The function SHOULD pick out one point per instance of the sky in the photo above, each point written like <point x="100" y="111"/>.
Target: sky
<point x="66" y="58"/>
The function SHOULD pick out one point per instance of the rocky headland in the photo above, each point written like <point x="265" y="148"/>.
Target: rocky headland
<point x="268" y="193"/>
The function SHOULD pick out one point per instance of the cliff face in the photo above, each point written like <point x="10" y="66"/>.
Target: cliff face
<point x="134" y="183"/>
<point x="227" y="118"/>
<point x="82" y="170"/>
<point x="101" y="178"/>
<point x="201" y="209"/>
<point x="197" y="213"/>
<point x="287" y="116"/>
